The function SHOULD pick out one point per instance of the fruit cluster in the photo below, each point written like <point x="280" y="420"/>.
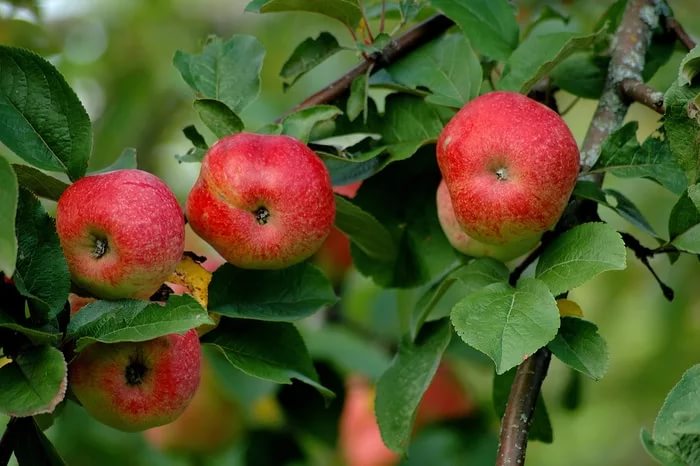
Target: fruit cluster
<point x="266" y="202"/>
<point x="262" y="202"/>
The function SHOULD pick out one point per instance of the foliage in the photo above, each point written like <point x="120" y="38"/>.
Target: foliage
<point x="269" y="324"/>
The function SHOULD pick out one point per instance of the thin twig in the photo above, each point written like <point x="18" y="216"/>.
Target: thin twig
<point x="410" y="40"/>
<point x="627" y="61"/>
<point x="644" y="94"/>
<point x="643" y="254"/>
<point x="671" y="24"/>
<point x="522" y="400"/>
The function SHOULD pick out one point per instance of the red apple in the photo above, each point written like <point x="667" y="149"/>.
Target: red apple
<point x="360" y="441"/>
<point x="446" y="398"/>
<point x="122" y="233"/>
<point x="262" y="201"/>
<point x="135" y="386"/>
<point x="210" y="422"/>
<point x="510" y="164"/>
<point x="467" y="245"/>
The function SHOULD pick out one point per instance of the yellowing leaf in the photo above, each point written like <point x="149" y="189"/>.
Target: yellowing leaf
<point x="190" y="274"/>
<point x="568" y="308"/>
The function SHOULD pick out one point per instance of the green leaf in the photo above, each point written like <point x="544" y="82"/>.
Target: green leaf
<point x="41" y="118"/>
<point x="676" y="430"/>
<point x="31" y="447"/>
<point x="660" y="453"/>
<point x="690" y="66"/>
<point x="507" y="324"/>
<point x="579" y="346"/>
<point x="684" y="221"/>
<point x="537" y="55"/>
<point x="348" y="170"/>
<point x="272" y="351"/>
<point x="622" y="156"/>
<point x="474" y="275"/>
<point x="40" y="335"/>
<point x="682" y="129"/>
<point x="490" y="25"/>
<point x="126" y="160"/>
<point x="579" y="255"/>
<point x="39" y="183"/>
<point x="42" y="272"/>
<point x="357" y="100"/>
<point x="34" y="382"/>
<point x="345" y="141"/>
<point x="409" y="123"/>
<point x="619" y="203"/>
<point x="219" y="118"/>
<point x="134" y="320"/>
<point x="364" y="230"/>
<point x="346" y="11"/>
<point x="307" y="55"/>
<point x="402" y="199"/>
<point x="447" y="66"/>
<point x="581" y="74"/>
<point x="347" y="350"/>
<point x="301" y="124"/>
<point x="217" y="72"/>
<point x="195" y="137"/>
<point x="402" y="386"/>
<point x="9" y="192"/>
<point x="541" y="426"/>
<point x="285" y="294"/>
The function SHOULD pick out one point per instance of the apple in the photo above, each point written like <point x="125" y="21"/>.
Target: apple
<point x="446" y="398"/>
<point x="133" y="386"/>
<point x="360" y="441"/>
<point x="510" y="165"/>
<point x="334" y="257"/>
<point x="467" y="245"/>
<point x="122" y="233"/>
<point x="210" y="422"/>
<point x="262" y="201"/>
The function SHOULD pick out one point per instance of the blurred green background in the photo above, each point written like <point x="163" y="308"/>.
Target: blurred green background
<point x="117" y="55"/>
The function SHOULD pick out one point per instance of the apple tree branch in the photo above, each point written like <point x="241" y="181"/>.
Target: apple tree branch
<point x="627" y="61"/>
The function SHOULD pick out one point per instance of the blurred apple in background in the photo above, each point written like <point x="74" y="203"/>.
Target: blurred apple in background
<point x="360" y="441"/>
<point x="446" y="398"/>
<point x="211" y="422"/>
<point x="333" y="257"/>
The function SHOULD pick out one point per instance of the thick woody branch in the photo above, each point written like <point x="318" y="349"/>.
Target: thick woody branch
<point x="627" y="61"/>
<point x="522" y="400"/>
<point x="672" y="25"/>
<point x="644" y="94"/>
<point x="405" y="43"/>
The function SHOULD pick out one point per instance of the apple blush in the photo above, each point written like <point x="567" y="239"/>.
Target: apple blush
<point x="262" y="201"/>
<point x="510" y="165"/>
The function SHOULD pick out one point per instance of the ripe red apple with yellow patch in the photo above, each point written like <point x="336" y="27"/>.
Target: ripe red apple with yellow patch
<point x="133" y="386"/>
<point x="122" y="233"/>
<point x="262" y="201"/>
<point x="468" y="245"/>
<point x="510" y="165"/>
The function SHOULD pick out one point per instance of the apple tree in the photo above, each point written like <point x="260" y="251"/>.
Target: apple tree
<point x="378" y="136"/>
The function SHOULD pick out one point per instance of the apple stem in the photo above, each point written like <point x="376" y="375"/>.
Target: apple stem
<point x="6" y="443"/>
<point x="101" y="247"/>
